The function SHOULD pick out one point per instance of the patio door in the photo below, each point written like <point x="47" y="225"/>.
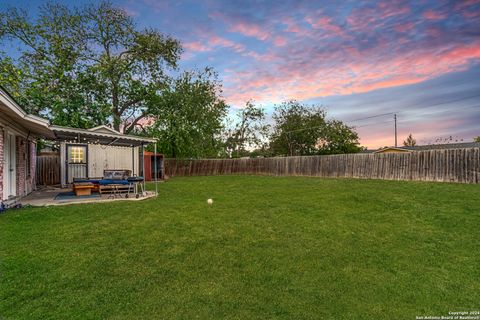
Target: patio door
<point x="76" y="162"/>
<point x="10" y="167"/>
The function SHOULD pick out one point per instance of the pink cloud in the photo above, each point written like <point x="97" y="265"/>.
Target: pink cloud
<point x="279" y="41"/>
<point x="211" y="44"/>
<point x="305" y="80"/>
<point x="370" y="18"/>
<point x="326" y="24"/>
<point x="404" y="27"/>
<point x="433" y="15"/>
<point x="196" y="46"/>
<point x="226" y="43"/>
<point x="250" y="30"/>
<point x="292" y="26"/>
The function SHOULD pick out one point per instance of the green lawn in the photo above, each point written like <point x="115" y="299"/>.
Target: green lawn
<point x="268" y="248"/>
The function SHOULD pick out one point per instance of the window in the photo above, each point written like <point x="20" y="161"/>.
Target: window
<point x="76" y="154"/>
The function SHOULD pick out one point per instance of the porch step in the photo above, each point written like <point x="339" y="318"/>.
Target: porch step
<point x="10" y="202"/>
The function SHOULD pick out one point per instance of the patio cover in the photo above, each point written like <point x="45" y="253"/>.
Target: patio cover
<point x="105" y="136"/>
<point x="99" y="135"/>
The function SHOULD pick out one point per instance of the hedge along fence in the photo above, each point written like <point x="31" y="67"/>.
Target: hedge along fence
<point x="453" y="165"/>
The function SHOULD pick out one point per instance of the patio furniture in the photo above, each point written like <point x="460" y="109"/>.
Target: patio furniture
<point x="83" y="188"/>
<point x="116" y="182"/>
<point x="115" y="186"/>
<point x="115" y="191"/>
<point x="136" y="182"/>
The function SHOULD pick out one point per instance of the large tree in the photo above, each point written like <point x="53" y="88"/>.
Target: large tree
<point x="248" y="130"/>
<point x="86" y="66"/>
<point x="297" y="129"/>
<point x="190" y="113"/>
<point x="302" y="129"/>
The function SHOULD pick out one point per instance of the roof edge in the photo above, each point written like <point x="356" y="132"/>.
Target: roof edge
<point x="108" y="135"/>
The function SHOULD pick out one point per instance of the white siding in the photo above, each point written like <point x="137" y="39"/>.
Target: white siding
<point x="63" y="163"/>
<point x="108" y="157"/>
<point x="101" y="157"/>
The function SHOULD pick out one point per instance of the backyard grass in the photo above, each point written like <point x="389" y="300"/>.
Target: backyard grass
<point x="268" y="248"/>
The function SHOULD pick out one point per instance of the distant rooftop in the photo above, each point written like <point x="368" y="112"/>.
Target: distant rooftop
<point x="460" y="145"/>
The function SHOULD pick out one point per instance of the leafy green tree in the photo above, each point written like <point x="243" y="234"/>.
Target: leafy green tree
<point x="477" y="139"/>
<point x="190" y="115"/>
<point x="410" y="141"/>
<point x="248" y="132"/>
<point x="297" y="129"/>
<point x="339" y="139"/>
<point x="303" y="130"/>
<point x="87" y="65"/>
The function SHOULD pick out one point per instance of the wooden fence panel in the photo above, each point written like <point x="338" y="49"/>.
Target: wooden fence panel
<point x="453" y="165"/>
<point x="48" y="169"/>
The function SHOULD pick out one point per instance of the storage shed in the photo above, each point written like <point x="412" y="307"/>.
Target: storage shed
<point x="149" y="159"/>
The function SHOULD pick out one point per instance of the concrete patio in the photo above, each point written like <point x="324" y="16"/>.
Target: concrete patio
<point x="47" y="197"/>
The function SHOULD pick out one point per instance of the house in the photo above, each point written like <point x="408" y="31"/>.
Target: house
<point x="83" y="153"/>
<point x="392" y="150"/>
<point x="462" y="145"/>
<point x="19" y="132"/>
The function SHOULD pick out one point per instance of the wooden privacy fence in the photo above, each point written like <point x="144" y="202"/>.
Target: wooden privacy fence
<point x="449" y="165"/>
<point x="48" y="168"/>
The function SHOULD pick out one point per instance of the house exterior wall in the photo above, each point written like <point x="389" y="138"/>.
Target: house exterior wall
<point x="111" y="158"/>
<point x="25" y="179"/>
<point x="25" y="176"/>
<point x="1" y="162"/>
<point x="20" y="167"/>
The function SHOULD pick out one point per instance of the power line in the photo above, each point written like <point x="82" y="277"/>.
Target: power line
<point x="394" y="113"/>
<point x="374" y="124"/>
<point x="448" y="102"/>
<point x="374" y="116"/>
<point x="424" y="107"/>
<point x="442" y="111"/>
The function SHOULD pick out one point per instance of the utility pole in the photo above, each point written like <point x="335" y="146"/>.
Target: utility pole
<point x="395" y="118"/>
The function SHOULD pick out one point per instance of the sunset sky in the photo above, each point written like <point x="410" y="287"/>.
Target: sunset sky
<point x="359" y="59"/>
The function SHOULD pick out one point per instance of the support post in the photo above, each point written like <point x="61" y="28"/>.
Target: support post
<point x="143" y="166"/>
<point x="395" y="119"/>
<point x="156" y="174"/>
<point x="133" y="161"/>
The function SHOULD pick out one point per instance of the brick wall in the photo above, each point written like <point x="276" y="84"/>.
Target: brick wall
<point x="31" y="183"/>
<point x="25" y="179"/>
<point x="1" y="163"/>
<point x="21" y="161"/>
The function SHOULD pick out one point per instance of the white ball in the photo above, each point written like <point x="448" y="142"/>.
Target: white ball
<point x="210" y="201"/>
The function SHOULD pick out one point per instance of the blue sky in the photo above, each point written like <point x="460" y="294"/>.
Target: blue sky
<point x="359" y="59"/>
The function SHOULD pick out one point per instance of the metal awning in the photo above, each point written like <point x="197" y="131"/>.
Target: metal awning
<point x="75" y="135"/>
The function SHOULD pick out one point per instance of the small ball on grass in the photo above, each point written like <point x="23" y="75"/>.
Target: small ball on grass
<point x="210" y="201"/>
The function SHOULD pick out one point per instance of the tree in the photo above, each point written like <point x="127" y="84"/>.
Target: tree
<point x="477" y="139"/>
<point x="339" y="139"/>
<point x="190" y="115"/>
<point x="247" y="132"/>
<point x="304" y="130"/>
<point x="86" y="66"/>
<point x="410" y="141"/>
<point x="297" y="128"/>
